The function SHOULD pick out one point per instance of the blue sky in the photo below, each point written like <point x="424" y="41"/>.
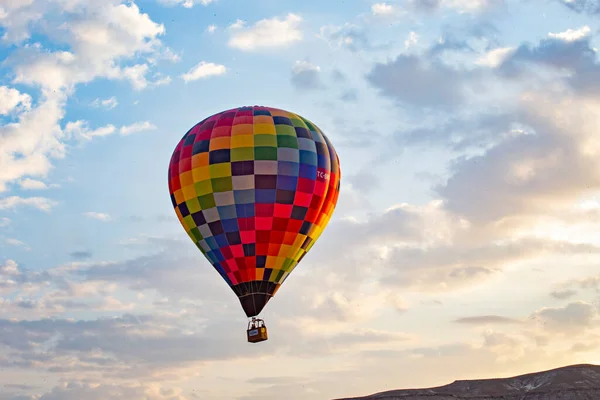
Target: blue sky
<point x="465" y="234"/>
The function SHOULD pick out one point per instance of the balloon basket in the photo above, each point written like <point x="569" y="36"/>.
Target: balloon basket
<point x="257" y="331"/>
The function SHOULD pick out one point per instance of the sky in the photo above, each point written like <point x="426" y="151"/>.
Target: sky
<point x="464" y="244"/>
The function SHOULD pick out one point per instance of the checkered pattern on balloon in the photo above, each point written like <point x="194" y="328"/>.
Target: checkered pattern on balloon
<point x="254" y="187"/>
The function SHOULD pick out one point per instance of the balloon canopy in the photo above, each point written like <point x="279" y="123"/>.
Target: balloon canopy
<point x="254" y="187"/>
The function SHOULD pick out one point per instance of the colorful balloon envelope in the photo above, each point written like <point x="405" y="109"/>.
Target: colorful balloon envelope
<point x="254" y="187"/>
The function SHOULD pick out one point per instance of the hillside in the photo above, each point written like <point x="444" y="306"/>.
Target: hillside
<point x="574" y="382"/>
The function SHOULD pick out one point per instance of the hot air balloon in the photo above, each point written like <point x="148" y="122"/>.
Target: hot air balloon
<point x="254" y="187"/>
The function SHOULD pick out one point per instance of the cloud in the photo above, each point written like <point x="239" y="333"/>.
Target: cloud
<point x="411" y="80"/>
<point x="487" y="320"/>
<point x="494" y="58"/>
<point x="459" y="133"/>
<point x="533" y="172"/>
<point x="137" y="76"/>
<point x="338" y="76"/>
<point x="13" y="202"/>
<point x="99" y="35"/>
<point x="81" y="129"/>
<point x="81" y="255"/>
<point x="11" y="100"/>
<point x="349" y="36"/>
<point x="412" y="40"/>
<point x="382" y="9"/>
<point x="115" y="351"/>
<point x="305" y="76"/>
<point x="211" y="29"/>
<point x="96" y="39"/>
<point x="582" y="6"/>
<point x="365" y="181"/>
<point x="563" y="294"/>
<point x="52" y="292"/>
<point x="163" y="53"/>
<point x="352" y="137"/>
<point x="570" y="288"/>
<point x="267" y="33"/>
<point x="185" y="3"/>
<point x="172" y="269"/>
<point x="74" y="390"/>
<point x="137" y="127"/>
<point x="25" y="154"/>
<point x="16" y="242"/>
<point x="20" y="281"/>
<point x="109" y="103"/>
<point x="4" y="222"/>
<point x="97" y="215"/>
<point x="350" y="95"/>
<point x="573" y="319"/>
<point x="468" y="6"/>
<point x="203" y="70"/>
<point x="571" y="35"/>
<point x="32" y="184"/>
<point x="507" y="347"/>
<point x="567" y="57"/>
<point x="426" y="249"/>
<point x="238" y="24"/>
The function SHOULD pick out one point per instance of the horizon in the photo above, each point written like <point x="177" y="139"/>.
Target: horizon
<point x="464" y="243"/>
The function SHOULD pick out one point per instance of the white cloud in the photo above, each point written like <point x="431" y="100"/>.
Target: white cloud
<point x="185" y="3"/>
<point x="97" y="215"/>
<point x="105" y="33"/>
<point x="81" y="129"/>
<point x="382" y="9"/>
<point x="160" y="80"/>
<point x="350" y="36"/>
<point x="163" y="53"/>
<point x="203" y="70"/>
<point x="74" y="390"/>
<point x="32" y="184"/>
<point x="238" y="24"/>
<point x="571" y="35"/>
<point x="137" y="127"/>
<point x="469" y="5"/>
<point x="137" y="77"/>
<point x="495" y="57"/>
<point x="4" y="222"/>
<point x="17" y="243"/>
<point x="267" y="33"/>
<point x="411" y="40"/>
<point x="98" y="36"/>
<point x="109" y="103"/>
<point x="463" y="6"/>
<point x="27" y="145"/>
<point x="304" y="66"/>
<point x="13" y="100"/>
<point x="305" y="75"/>
<point x="16" y="16"/>
<point x="211" y="28"/>
<point x="12" y="202"/>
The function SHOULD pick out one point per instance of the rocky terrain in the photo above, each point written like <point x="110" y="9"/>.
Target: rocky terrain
<point x="574" y="382"/>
